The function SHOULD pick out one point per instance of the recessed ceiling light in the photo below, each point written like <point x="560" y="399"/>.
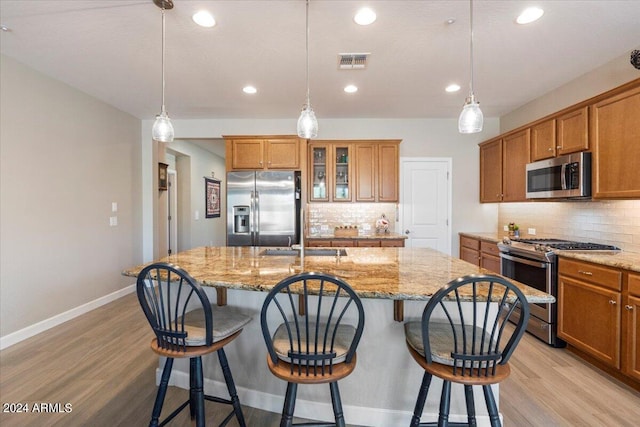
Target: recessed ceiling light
<point x="452" y="88"/>
<point x="204" y="19"/>
<point x="530" y="15"/>
<point x="450" y="21"/>
<point x="365" y="16"/>
<point x="4" y="28"/>
<point x="350" y="89"/>
<point x="249" y="89"/>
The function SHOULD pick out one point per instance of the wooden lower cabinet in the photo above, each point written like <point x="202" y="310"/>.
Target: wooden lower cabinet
<point x="342" y="243"/>
<point x="631" y="314"/>
<point x="482" y="253"/>
<point x="599" y="315"/>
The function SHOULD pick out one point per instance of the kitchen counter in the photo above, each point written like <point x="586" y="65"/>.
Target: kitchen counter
<point x="371" y="396"/>
<point x="381" y="273"/>
<point x="622" y="259"/>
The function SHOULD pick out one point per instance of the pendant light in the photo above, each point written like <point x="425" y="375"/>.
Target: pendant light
<point x="471" y="118"/>
<point x="307" y="122"/>
<point x="162" y="128"/>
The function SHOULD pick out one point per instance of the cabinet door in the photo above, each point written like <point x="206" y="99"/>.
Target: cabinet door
<point x="516" y="151"/>
<point x="632" y="314"/>
<point x="543" y="140"/>
<point x="573" y="131"/>
<point x="491" y="171"/>
<point x="319" y="178"/>
<point x="247" y="154"/>
<point x="589" y="319"/>
<point x="283" y="153"/>
<point x="388" y="172"/>
<point x="470" y="255"/>
<point x="341" y="176"/>
<point x="365" y="172"/>
<point x="614" y="136"/>
<point x="490" y="262"/>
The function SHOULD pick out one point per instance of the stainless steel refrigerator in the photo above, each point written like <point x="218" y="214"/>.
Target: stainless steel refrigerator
<point x="263" y="208"/>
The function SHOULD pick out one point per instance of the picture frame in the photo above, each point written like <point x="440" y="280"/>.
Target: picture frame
<point x="212" y="197"/>
<point x="163" y="176"/>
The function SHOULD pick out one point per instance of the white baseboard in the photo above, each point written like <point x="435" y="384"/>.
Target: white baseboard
<point x="29" y="331"/>
<point x="357" y="415"/>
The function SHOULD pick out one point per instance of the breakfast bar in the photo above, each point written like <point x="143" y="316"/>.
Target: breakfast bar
<point x="382" y="389"/>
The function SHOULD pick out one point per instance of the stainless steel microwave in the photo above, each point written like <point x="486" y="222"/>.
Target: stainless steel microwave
<point x="562" y="177"/>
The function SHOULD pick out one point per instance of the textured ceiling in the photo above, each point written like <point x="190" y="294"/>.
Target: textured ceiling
<point x="112" y="50"/>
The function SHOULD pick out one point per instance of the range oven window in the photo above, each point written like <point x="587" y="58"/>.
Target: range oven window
<point x="534" y="276"/>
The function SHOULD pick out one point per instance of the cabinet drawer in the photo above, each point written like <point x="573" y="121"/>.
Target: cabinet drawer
<point x="392" y="243"/>
<point x="369" y="243"/>
<point x="343" y="243"/>
<point x="596" y="274"/>
<point x="470" y="243"/>
<point x="634" y="285"/>
<point x="489" y="248"/>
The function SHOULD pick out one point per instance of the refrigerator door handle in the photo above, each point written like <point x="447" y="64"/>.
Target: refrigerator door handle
<point x="251" y="217"/>
<point x="256" y="213"/>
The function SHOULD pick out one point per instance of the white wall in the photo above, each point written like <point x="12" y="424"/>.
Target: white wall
<point x="420" y="138"/>
<point x="65" y="157"/>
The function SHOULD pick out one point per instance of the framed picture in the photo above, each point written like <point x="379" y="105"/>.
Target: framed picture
<point x="162" y="176"/>
<point x="212" y="197"/>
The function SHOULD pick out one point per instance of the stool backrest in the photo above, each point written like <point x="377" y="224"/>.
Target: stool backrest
<point x="475" y="323"/>
<point x="166" y="293"/>
<point x="324" y="331"/>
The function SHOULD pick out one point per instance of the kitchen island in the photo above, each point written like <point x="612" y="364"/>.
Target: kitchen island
<point x="382" y="389"/>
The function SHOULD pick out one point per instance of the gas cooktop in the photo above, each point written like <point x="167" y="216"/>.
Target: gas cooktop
<point x="568" y="245"/>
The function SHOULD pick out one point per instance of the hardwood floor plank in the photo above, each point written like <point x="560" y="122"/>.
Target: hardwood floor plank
<point x="101" y="363"/>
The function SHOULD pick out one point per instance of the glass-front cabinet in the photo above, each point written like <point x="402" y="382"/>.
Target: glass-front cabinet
<point x="330" y="172"/>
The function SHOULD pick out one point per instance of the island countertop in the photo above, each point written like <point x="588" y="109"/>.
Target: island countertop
<point x="381" y="273"/>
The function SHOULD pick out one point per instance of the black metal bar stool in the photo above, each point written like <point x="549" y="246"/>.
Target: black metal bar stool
<point x="469" y="343"/>
<point x="314" y="343"/>
<point x="187" y="325"/>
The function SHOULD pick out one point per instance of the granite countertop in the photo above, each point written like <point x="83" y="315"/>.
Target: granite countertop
<point x="622" y="259"/>
<point x="383" y="273"/>
<point x="366" y="235"/>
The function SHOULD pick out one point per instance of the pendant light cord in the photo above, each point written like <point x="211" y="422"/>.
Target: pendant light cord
<point x="471" y="45"/>
<point x="307" y="49"/>
<point x="163" y="31"/>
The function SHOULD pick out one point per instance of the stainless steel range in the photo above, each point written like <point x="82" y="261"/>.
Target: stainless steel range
<point x="534" y="263"/>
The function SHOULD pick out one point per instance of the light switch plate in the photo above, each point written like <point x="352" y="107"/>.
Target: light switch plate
<point x="505" y="228"/>
<point x="114" y="206"/>
<point x="196" y="215"/>
<point x="113" y="221"/>
<point x="531" y="231"/>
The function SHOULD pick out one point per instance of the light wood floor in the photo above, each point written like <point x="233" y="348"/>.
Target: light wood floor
<point x="101" y="364"/>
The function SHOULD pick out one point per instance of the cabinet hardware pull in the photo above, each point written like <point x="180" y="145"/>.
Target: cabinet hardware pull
<point x="550" y="149"/>
<point x="586" y="273"/>
<point x="612" y="302"/>
<point x="558" y="147"/>
<point x="628" y="307"/>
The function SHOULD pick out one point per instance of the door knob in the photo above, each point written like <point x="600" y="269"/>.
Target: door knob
<point x="407" y="232"/>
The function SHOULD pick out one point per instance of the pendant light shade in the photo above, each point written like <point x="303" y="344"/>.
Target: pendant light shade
<point x="307" y="122"/>
<point x="471" y="118"/>
<point x="162" y="128"/>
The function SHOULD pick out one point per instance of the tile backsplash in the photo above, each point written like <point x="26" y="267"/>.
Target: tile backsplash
<point x="323" y="217"/>
<point x="611" y="222"/>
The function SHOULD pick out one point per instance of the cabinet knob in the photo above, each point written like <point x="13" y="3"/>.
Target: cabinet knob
<point x="612" y="302"/>
<point x="558" y="147"/>
<point x="628" y="307"/>
<point x="586" y="273"/>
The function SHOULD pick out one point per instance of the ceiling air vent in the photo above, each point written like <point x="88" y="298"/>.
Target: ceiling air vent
<point x="352" y="61"/>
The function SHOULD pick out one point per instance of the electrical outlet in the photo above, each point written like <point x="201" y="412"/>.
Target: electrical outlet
<point x="531" y="231"/>
<point x="113" y="221"/>
<point x="114" y="206"/>
<point x="196" y="215"/>
<point x="505" y="228"/>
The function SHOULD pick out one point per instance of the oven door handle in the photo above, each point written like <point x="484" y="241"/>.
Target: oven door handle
<point x="524" y="261"/>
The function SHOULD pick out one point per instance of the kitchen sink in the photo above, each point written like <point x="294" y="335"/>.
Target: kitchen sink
<point x="307" y="252"/>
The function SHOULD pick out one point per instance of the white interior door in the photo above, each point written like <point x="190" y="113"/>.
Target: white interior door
<point x="425" y="211"/>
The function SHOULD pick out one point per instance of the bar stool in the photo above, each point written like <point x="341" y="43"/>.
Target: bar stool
<point x="316" y="339"/>
<point x="187" y="325"/>
<point x="469" y="343"/>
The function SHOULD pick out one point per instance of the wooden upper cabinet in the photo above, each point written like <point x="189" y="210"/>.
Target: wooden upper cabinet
<point x="263" y="152"/>
<point x="573" y="131"/>
<point x="376" y="169"/>
<point x="491" y="171"/>
<point x="388" y="172"/>
<point x="615" y="140"/>
<point x="543" y="140"/>
<point x="516" y="150"/>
